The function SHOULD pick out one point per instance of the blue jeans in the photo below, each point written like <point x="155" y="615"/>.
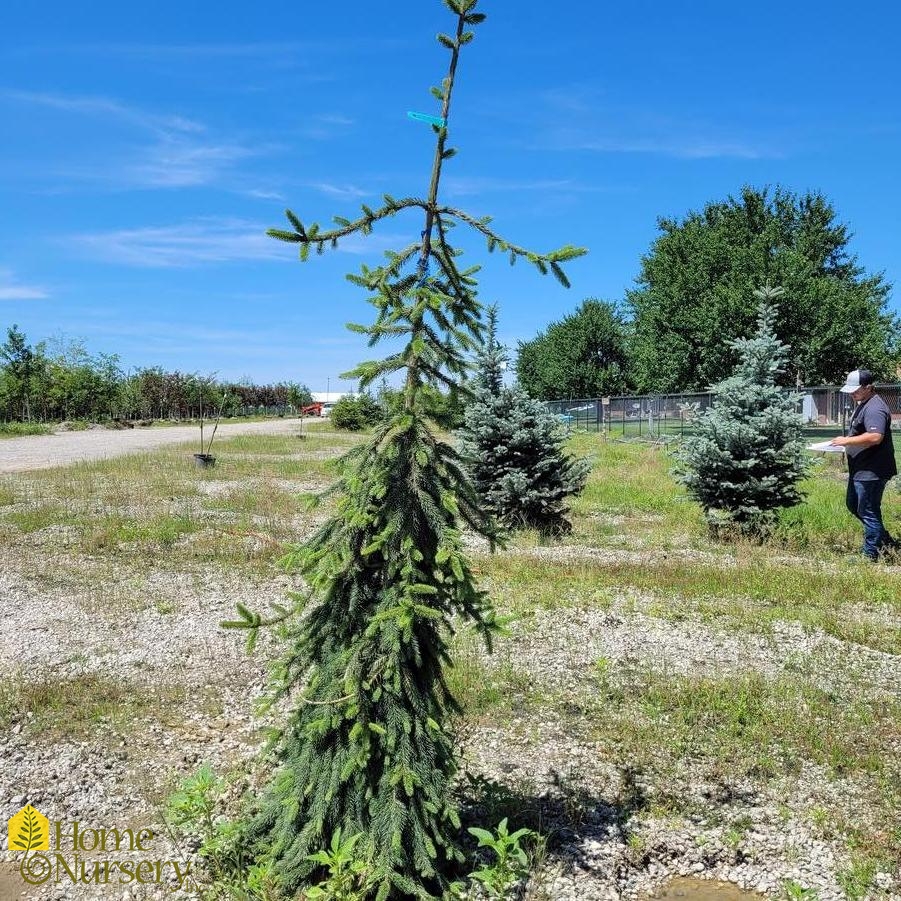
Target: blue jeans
<point x="864" y="500"/>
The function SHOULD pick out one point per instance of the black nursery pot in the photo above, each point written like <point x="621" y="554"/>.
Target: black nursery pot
<point x="204" y="461"/>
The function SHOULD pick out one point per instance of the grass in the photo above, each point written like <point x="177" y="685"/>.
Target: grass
<point x="737" y="725"/>
<point x="244" y="510"/>
<point x="488" y="693"/>
<point x="857" y="878"/>
<point x="735" y="728"/>
<point x="18" y="429"/>
<point x="751" y="596"/>
<point x="643" y="486"/>
<point x="728" y="730"/>
<point x="265" y="500"/>
<point x="55" y="709"/>
<point x="744" y="725"/>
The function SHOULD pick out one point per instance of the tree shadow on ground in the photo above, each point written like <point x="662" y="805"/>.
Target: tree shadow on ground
<point x="574" y="821"/>
<point x="564" y="813"/>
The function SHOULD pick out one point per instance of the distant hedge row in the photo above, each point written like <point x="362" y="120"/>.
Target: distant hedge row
<point x="44" y="383"/>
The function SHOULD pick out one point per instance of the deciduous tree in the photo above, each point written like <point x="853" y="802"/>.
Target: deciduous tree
<point x="693" y="290"/>
<point x="582" y="355"/>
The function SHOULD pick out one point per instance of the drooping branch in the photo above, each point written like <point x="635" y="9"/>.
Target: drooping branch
<point x="542" y="261"/>
<point x="312" y="236"/>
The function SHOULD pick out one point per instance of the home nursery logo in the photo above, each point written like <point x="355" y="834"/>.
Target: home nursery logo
<point x="30" y="832"/>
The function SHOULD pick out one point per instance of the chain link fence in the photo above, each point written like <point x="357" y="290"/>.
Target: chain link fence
<point x="664" y="416"/>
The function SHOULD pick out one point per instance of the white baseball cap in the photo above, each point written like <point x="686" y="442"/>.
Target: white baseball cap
<point x="857" y="379"/>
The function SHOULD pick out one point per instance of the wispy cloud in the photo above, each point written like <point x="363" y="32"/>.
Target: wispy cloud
<point x="200" y="242"/>
<point x="219" y="347"/>
<point x="335" y="190"/>
<point x="337" y="119"/>
<point x="12" y="289"/>
<point x="180" y="153"/>
<point x="187" y="331"/>
<point x="174" y="163"/>
<point x="583" y="119"/>
<point x="225" y="50"/>
<point x="260" y="194"/>
<point x="690" y="147"/>
<point x="325" y="126"/>
<point x="466" y="186"/>
<point x="194" y="51"/>
<point x="107" y="108"/>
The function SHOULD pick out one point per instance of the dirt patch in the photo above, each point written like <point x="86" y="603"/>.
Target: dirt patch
<point x="702" y="890"/>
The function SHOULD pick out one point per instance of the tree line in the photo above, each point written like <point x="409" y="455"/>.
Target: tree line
<point x="63" y="381"/>
<point x="674" y="331"/>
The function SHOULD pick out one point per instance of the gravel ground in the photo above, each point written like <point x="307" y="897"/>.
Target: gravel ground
<point x="117" y="775"/>
<point x="157" y="633"/>
<point x="63" y="448"/>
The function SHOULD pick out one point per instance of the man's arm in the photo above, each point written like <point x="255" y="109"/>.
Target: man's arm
<point x="867" y="439"/>
<point x="875" y="422"/>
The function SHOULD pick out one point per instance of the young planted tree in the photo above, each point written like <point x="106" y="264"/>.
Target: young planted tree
<point x="746" y="457"/>
<point x="365" y="747"/>
<point x="516" y="450"/>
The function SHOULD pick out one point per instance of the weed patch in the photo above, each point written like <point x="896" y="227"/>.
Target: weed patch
<point x="752" y="594"/>
<point x="74" y="708"/>
<point x="18" y="429"/>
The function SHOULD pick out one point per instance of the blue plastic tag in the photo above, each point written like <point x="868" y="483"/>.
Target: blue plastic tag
<point x="424" y="117"/>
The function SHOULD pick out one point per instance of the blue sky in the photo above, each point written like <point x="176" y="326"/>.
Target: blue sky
<point x="146" y="148"/>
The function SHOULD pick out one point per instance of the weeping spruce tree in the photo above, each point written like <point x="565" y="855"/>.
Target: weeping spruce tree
<point x="746" y="457"/>
<point x="365" y="747"/>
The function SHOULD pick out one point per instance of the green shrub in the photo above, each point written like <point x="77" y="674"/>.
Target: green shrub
<point x="356" y="413"/>
<point x="15" y="429"/>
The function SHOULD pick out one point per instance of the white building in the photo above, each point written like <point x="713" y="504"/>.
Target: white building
<point x="328" y="399"/>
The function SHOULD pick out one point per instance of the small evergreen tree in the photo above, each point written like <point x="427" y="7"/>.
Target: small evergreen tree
<point x="516" y="450"/>
<point x="747" y="455"/>
<point x="365" y="748"/>
<point x="354" y="414"/>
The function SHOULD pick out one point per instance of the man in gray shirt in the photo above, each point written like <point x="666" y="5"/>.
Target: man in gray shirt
<point x="871" y="461"/>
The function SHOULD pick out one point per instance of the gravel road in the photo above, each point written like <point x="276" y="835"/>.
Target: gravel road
<point x="63" y="448"/>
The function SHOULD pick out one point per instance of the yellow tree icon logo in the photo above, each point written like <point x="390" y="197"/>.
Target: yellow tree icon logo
<point x="29" y="830"/>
